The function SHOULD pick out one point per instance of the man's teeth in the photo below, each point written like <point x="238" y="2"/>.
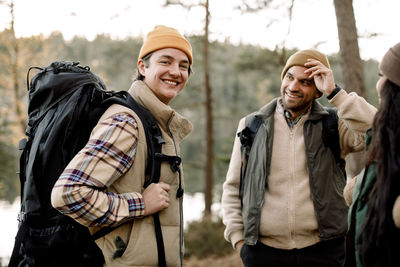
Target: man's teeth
<point x="171" y="82"/>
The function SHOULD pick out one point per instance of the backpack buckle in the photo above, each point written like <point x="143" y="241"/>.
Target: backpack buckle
<point x="174" y="161"/>
<point x="21" y="216"/>
<point x="22" y="144"/>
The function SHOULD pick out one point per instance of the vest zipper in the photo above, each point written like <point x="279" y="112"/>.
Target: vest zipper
<point x="179" y="193"/>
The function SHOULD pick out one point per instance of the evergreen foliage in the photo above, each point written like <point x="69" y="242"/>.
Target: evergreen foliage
<point x="9" y="181"/>
<point x="243" y="78"/>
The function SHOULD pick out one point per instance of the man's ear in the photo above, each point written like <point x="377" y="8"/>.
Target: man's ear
<point x="318" y="93"/>
<point x="141" y="67"/>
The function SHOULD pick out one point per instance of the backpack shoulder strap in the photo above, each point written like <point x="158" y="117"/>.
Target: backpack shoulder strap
<point x="153" y="137"/>
<point x="247" y="135"/>
<point x="155" y="157"/>
<point x="153" y="133"/>
<point x="330" y="135"/>
<point x="330" y="132"/>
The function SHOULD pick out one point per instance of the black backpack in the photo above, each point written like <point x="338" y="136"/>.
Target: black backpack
<point x="66" y="101"/>
<point x="330" y="137"/>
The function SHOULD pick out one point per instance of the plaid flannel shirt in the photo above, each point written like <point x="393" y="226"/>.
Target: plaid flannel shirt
<point x="108" y="154"/>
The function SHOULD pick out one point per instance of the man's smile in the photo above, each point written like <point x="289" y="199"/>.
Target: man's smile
<point x="171" y="82"/>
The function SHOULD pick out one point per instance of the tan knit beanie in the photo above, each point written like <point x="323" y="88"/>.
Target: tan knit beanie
<point x="300" y="58"/>
<point x="165" y="37"/>
<point x="390" y="64"/>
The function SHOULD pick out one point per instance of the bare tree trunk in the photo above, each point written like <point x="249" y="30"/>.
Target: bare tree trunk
<point x="14" y="68"/>
<point x="209" y="163"/>
<point x="353" y="73"/>
<point x="209" y="179"/>
<point x="282" y="58"/>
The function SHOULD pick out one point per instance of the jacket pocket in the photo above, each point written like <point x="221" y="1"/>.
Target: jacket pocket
<point x="110" y="244"/>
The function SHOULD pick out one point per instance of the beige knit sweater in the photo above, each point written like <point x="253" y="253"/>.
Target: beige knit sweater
<point x="288" y="218"/>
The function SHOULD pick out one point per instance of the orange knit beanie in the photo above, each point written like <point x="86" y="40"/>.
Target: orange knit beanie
<point x="165" y="37"/>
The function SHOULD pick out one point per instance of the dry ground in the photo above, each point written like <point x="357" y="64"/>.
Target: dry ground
<point x="232" y="260"/>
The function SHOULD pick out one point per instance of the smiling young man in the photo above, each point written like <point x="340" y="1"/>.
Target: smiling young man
<point x="104" y="184"/>
<point x="290" y="211"/>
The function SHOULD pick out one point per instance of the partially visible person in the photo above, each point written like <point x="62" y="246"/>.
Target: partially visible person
<point x="104" y="184"/>
<point x="374" y="195"/>
<point x="290" y="211"/>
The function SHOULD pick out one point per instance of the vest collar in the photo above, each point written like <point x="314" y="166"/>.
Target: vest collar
<point x="317" y="111"/>
<point x="167" y="118"/>
<point x="267" y="110"/>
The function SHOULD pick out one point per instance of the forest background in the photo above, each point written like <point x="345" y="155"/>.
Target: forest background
<point x="244" y="77"/>
<point x="230" y="80"/>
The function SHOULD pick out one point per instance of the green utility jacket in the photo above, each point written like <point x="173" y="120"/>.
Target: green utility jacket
<point x="327" y="179"/>
<point x="358" y="213"/>
<point x="359" y="207"/>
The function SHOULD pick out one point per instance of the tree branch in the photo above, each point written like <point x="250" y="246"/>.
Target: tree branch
<point x="181" y="3"/>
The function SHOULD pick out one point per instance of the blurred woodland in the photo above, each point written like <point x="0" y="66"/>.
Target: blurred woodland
<point x="242" y="78"/>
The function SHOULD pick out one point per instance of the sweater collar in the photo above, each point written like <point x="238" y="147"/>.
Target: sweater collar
<point x="167" y="118"/>
<point x="288" y="116"/>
